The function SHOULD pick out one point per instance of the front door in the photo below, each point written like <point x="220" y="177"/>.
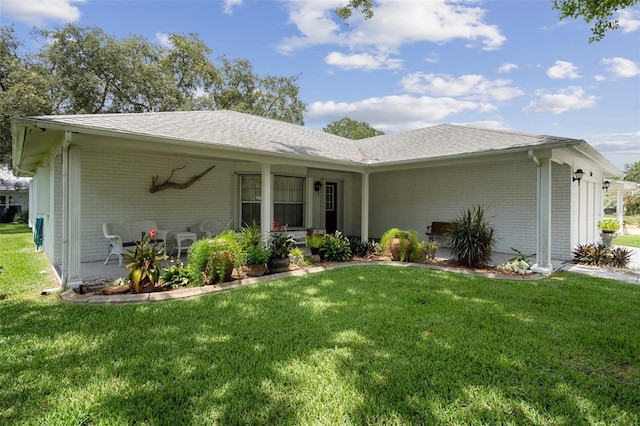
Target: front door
<point x="331" y="207"/>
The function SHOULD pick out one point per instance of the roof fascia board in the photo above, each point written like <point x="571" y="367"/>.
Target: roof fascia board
<point x="588" y="151"/>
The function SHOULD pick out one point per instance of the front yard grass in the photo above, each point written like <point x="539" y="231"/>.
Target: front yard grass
<point x="630" y="240"/>
<point x="358" y="345"/>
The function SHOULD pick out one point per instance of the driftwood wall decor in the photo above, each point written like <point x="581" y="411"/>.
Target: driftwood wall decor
<point x="168" y="184"/>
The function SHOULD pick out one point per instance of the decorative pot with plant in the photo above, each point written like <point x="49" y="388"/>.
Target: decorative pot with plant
<point x="609" y="227"/>
<point x="314" y="242"/>
<point x="144" y="262"/>
<point x="280" y="244"/>
<point x="212" y="260"/>
<point x="430" y="249"/>
<point x="402" y="245"/>
<point x="256" y="258"/>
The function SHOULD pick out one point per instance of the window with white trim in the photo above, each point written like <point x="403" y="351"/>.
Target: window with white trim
<point x="288" y="200"/>
<point x="250" y="194"/>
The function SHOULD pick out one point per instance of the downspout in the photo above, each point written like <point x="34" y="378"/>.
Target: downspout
<point x="65" y="216"/>
<point x="538" y="212"/>
<point x="65" y="209"/>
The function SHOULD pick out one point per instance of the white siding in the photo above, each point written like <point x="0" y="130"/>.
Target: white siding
<point x="412" y="199"/>
<point x="561" y="212"/>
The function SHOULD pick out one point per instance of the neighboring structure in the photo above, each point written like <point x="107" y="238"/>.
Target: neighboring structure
<point x="91" y="169"/>
<point x="14" y="195"/>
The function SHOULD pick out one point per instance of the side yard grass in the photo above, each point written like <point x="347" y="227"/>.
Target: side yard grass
<point x="357" y="345"/>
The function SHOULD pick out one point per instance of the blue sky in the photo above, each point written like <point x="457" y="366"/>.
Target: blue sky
<point x="498" y="64"/>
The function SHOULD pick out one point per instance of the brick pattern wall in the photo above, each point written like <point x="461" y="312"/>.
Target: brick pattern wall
<point x="412" y="199"/>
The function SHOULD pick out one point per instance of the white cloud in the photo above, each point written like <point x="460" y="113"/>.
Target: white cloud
<point x="629" y="20"/>
<point x="393" y="113"/>
<point x="507" y="67"/>
<point x="395" y="23"/>
<point x="619" y="148"/>
<point x="599" y="77"/>
<point x="432" y="58"/>
<point x="163" y="39"/>
<point x="362" y="61"/>
<point x="622" y="67"/>
<point x="486" y="124"/>
<point x="471" y="86"/>
<point x="230" y="4"/>
<point x="563" y="69"/>
<point x="37" y="12"/>
<point x="570" y="99"/>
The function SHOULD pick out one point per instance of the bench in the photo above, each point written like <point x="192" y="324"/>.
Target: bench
<point x="126" y="234"/>
<point x="437" y="228"/>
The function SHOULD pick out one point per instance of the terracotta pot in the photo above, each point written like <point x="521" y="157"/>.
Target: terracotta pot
<point x="398" y="246"/>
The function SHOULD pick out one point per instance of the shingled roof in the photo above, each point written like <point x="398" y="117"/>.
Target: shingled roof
<point x="251" y="133"/>
<point x="218" y="128"/>
<point x="447" y="141"/>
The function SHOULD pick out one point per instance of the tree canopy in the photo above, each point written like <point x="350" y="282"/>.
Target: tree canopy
<point x="351" y="129"/>
<point x="601" y="12"/>
<point x="83" y="70"/>
<point x="632" y="172"/>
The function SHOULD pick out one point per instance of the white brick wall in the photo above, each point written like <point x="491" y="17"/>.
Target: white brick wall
<point x="412" y="199"/>
<point x="109" y="196"/>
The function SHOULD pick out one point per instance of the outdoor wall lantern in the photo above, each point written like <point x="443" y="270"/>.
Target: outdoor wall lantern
<point x="577" y="175"/>
<point x="605" y="185"/>
<point x="317" y="185"/>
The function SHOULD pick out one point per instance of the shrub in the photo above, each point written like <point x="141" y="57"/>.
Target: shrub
<point x="335" y="248"/>
<point x="601" y="255"/>
<point x="472" y="237"/>
<point x="249" y="236"/>
<point x="408" y="249"/>
<point x="362" y="248"/>
<point x="177" y="275"/>
<point x="212" y="260"/>
<point x="22" y="217"/>
<point x="256" y="255"/>
<point x="620" y="257"/>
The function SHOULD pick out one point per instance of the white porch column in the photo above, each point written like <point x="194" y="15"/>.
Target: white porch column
<point x="543" y="218"/>
<point x="71" y="217"/>
<point x="364" y="227"/>
<point x="620" y="208"/>
<point x="265" y="202"/>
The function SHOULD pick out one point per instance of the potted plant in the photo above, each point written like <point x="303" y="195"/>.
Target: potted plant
<point x="144" y="262"/>
<point x="256" y="258"/>
<point x="314" y="242"/>
<point x="402" y="245"/>
<point x="212" y="260"/>
<point x="280" y="244"/>
<point x="430" y="249"/>
<point x="608" y="228"/>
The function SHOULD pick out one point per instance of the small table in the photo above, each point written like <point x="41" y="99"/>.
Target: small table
<point x="183" y="240"/>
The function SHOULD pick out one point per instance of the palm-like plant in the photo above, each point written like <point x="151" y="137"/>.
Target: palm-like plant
<point x="472" y="237"/>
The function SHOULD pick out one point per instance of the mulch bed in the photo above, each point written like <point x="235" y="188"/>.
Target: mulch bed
<point x="101" y="286"/>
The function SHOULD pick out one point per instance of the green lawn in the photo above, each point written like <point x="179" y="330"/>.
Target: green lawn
<point x="627" y="240"/>
<point x="360" y="345"/>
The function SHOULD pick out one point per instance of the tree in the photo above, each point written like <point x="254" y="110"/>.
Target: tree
<point x="351" y="129"/>
<point x="600" y="11"/>
<point x="83" y="70"/>
<point x="632" y="172"/>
